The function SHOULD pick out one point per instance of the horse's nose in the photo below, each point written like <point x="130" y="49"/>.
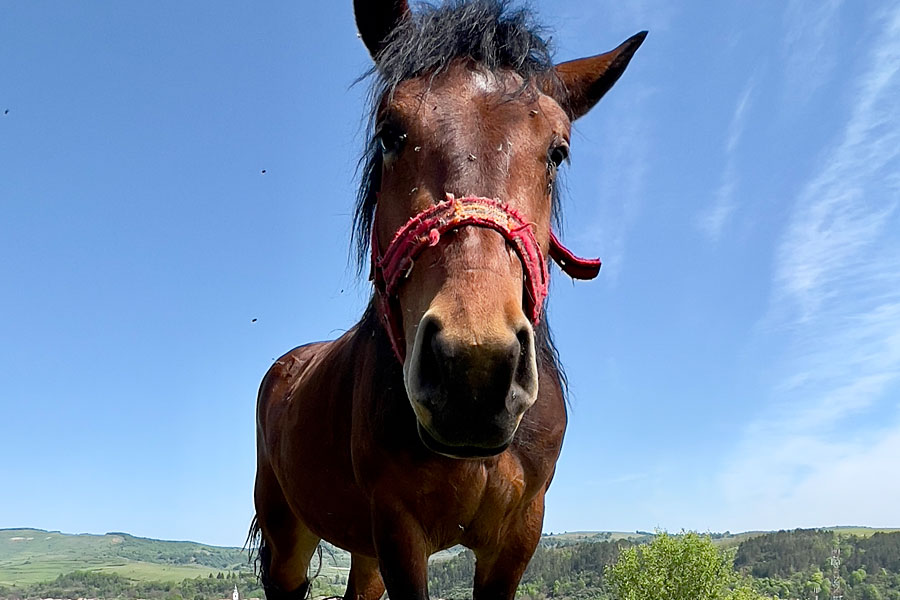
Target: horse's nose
<point x="472" y="389"/>
<point x="483" y="371"/>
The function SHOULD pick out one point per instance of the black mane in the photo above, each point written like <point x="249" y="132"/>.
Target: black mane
<point x="487" y="32"/>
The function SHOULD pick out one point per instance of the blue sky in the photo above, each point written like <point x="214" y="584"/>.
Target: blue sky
<point x="735" y="366"/>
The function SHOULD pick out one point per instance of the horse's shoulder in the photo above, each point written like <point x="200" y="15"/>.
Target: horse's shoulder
<point x="286" y="374"/>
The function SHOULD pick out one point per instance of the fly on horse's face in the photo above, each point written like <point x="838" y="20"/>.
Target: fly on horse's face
<point x="470" y="366"/>
<point x="462" y="316"/>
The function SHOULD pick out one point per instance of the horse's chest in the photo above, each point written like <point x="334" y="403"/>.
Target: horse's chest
<point x="455" y="502"/>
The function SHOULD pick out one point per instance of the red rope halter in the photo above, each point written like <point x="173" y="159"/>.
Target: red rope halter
<point x="425" y="229"/>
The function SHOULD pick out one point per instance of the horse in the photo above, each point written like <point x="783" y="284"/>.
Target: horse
<point x="436" y="420"/>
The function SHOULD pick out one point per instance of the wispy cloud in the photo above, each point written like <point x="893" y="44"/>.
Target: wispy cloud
<point x="810" y="47"/>
<point x="835" y="243"/>
<point x="805" y="481"/>
<point x="833" y="423"/>
<point x="612" y="15"/>
<point x="627" y="478"/>
<point x="640" y="14"/>
<point x="620" y="183"/>
<point x="713" y="219"/>
<point x="625" y="158"/>
<point x="736" y="127"/>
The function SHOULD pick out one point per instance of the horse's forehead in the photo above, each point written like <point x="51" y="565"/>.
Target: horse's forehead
<point x="489" y="103"/>
<point x="482" y="81"/>
<point x="461" y="84"/>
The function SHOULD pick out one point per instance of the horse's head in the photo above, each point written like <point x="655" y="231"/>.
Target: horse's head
<point x="471" y="125"/>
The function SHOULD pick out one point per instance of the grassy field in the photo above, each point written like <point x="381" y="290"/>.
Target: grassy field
<point x="593" y="536"/>
<point x="733" y="541"/>
<point x="11" y="574"/>
<point x="862" y="531"/>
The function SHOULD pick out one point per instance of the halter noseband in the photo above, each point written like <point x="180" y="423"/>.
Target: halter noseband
<point x="425" y="229"/>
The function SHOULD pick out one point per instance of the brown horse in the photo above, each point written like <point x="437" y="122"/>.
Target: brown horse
<point x="437" y="420"/>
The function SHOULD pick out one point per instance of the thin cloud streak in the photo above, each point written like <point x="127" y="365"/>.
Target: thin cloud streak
<point x="836" y="297"/>
<point x="621" y="183"/>
<point x="712" y="221"/>
<point x="739" y="118"/>
<point x="612" y="15"/>
<point x="625" y="159"/>
<point x="809" y="57"/>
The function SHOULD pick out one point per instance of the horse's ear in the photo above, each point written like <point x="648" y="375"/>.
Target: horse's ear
<point x="586" y="80"/>
<point x="376" y="19"/>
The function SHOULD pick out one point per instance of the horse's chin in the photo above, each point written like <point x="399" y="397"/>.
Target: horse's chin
<point x="460" y="451"/>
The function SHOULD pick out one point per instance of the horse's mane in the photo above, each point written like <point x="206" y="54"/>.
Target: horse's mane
<point x="490" y="34"/>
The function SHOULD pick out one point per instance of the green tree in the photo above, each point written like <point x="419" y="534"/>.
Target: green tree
<point x="816" y="582"/>
<point x="870" y="592"/>
<point x="682" y="567"/>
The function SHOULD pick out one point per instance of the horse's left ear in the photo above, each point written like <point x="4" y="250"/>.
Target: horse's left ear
<point x="376" y="20"/>
<point x="586" y="80"/>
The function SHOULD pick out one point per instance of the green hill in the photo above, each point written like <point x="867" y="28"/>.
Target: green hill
<point x="33" y="555"/>
<point x="36" y="563"/>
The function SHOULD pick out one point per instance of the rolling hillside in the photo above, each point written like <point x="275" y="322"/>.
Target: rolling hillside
<point x="33" y="555"/>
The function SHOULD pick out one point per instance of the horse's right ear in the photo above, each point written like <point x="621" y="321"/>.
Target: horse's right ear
<point x="376" y="20"/>
<point x="586" y="80"/>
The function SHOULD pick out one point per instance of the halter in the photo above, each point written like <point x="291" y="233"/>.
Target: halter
<point x="424" y="230"/>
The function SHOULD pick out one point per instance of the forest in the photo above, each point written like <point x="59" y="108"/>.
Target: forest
<point x="783" y="564"/>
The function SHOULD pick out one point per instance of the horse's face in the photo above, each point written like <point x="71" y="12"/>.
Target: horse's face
<point x="470" y="367"/>
<point x="467" y="341"/>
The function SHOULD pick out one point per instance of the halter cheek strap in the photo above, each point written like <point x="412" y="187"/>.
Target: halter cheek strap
<point x="573" y="266"/>
<point x="425" y="229"/>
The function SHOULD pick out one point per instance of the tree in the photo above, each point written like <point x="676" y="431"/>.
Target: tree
<point x="683" y="567"/>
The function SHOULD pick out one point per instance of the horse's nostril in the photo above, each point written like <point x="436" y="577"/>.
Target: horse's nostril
<point x="525" y="338"/>
<point x="432" y="353"/>
<point x="443" y="370"/>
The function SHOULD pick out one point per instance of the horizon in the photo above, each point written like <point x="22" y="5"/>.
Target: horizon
<point x="638" y="532"/>
<point x="177" y="184"/>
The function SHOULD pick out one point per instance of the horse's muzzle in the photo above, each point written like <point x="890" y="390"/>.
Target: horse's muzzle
<point x="470" y="397"/>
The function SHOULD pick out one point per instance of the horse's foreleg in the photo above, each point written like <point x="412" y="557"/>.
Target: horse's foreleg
<point x="287" y="545"/>
<point x="402" y="553"/>
<point x="499" y="569"/>
<point x="365" y="581"/>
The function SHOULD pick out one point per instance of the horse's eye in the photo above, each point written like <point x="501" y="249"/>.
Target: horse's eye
<point x="558" y="154"/>
<point x="390" y="140"/>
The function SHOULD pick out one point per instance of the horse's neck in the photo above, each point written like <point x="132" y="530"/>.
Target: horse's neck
<point x="373" y="367"/>
<point x="370" y="354"/>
